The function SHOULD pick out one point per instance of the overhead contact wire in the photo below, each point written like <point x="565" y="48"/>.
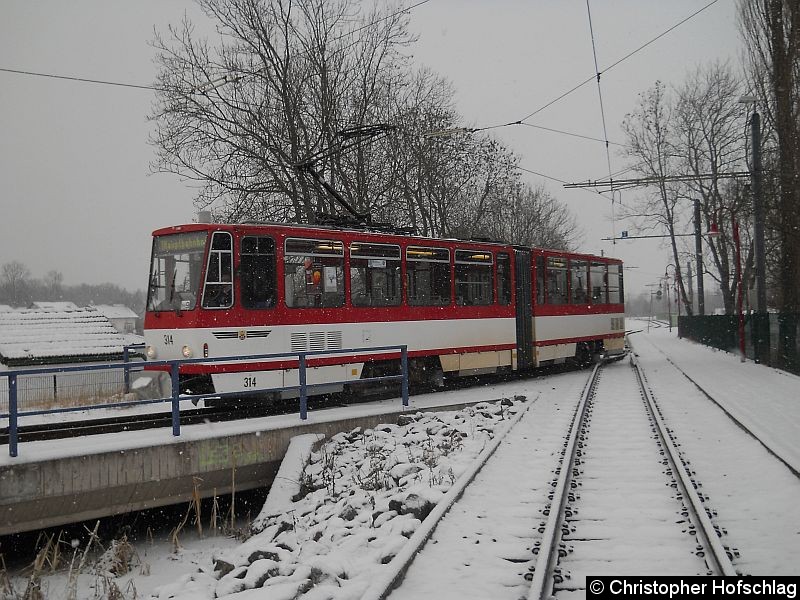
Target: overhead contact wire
<point x="79" y="79"/>
<point x="608" y="68"/>
<point x="603" y="118"/>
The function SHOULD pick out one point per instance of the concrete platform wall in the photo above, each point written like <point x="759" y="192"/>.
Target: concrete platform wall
<point x="54" y="492"/>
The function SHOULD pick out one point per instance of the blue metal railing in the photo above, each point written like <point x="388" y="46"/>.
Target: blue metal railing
<point x="173" y="367"/>
<point x="126" y="358"/>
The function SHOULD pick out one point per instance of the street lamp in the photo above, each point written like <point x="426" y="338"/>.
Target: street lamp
<point x="657" y="294"/>
<point x="666" y="287"/>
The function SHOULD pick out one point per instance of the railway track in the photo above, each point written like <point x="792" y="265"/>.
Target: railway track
<point x="615" y="498"/>
<point x="614" y="513"/>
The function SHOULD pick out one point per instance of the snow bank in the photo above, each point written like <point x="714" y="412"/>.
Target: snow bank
<point x="287" y="481"/>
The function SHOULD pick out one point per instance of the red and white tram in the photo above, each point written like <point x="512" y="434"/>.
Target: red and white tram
<point x="461" y="307"/>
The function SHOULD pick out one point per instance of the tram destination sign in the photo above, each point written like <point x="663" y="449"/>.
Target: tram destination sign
<point x="181" y="242"/>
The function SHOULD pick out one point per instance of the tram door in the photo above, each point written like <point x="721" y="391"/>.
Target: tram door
<point x="522" y="265"/>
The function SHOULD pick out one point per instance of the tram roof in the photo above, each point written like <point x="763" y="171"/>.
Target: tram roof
<point x="306" y="229"/>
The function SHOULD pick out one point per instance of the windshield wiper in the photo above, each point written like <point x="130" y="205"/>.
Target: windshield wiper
<point x="176" y="305"/>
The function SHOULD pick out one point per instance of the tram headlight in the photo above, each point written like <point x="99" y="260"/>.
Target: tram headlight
<point x="187" y="352"/>
<point x="150" y="352"/>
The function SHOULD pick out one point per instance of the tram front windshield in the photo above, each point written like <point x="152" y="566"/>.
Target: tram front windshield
<point x="175" y="271"/>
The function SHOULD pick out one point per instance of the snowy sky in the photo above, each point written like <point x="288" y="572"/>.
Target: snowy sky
<point x="79" y="197"/>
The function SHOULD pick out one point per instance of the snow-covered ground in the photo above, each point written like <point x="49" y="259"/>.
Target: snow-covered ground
<point x="765" y="400"/>
<point x="756" y="497"/>
<point x="366" y="494"/>
<point x="368" y="491"/>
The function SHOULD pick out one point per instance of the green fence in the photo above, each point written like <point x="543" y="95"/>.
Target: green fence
<point x="782" y="330"/>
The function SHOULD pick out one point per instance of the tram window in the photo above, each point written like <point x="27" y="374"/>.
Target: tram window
<point x="375" y="274"/>
<point x="474" y="285"/>
<point x="314" y="273"/>
<point x="556" y="280"/>
<point x="539" y="280"/>
<point x="503" y="279"/>
<point x="218" y="292"/>
<point x="257" y="272"/>
<point x="176" y="265"/>
<point x="598" y="283"/>
<point x="428" y="276"/>
<point x="614" y="284"/>
<point x="579" y="284"/>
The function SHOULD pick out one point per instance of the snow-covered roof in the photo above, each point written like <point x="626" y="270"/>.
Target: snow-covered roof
<point x="50" y="335"/>
<point x="6" y="308"/>
<point x="131" y="339"/>
<point x="54" y="305"/>
<point x="116" y="311"/>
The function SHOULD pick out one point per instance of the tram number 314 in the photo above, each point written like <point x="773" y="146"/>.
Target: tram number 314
<point x="249" y="382"/>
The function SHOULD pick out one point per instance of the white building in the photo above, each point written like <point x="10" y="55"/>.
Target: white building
<point x="60" y="336"/>
<point x="122" y="318"/>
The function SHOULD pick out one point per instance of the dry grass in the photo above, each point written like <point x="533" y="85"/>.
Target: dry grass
<point x="72" y="580"/>
<point x="120" y="558"/>
<point x="112" y="591"/>
<point x="50" y="554"/>
<point x="6" y="589"/>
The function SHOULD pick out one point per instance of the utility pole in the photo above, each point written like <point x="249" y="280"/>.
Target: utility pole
<point x="761" y="339"/>
<point x="698" y="248"/>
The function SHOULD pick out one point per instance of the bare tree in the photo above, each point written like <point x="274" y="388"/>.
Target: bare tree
<point x="15" y="280"/>
<point x="652" y="144"/>
<point x="53" y="283"/>
<point x="771" y="31"/>
<point x="690" y="140"/>
<point x="285" y="77"/>
<point x="282" y="84"/>
<point x="709" y="125"/>
<point x="429" y="170"/>
<point x="531" y="216"/>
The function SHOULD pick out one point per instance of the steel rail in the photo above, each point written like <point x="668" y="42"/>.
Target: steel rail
<point x="542" y="583"/>
<point x="716" y="555"/>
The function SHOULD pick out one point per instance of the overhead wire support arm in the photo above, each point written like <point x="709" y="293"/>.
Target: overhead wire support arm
<point x="616" y="184"/>
<point x="643" y="237"/>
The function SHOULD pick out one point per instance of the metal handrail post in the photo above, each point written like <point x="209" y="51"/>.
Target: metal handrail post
<point x="126" y="374"/>
<point x="12" y="415"/>
<point x="404" y="366"/>
<point x="176" y="409"/>
<point x="303" y="388"/>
